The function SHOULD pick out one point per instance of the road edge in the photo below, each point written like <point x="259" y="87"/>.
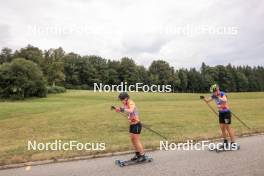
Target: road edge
<point x="36" y="163"/>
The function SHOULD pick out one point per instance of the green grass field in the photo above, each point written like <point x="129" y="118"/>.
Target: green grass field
<point x="85" y="116"/>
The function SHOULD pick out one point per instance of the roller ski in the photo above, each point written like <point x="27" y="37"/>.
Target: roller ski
<point x="133" y="161"/>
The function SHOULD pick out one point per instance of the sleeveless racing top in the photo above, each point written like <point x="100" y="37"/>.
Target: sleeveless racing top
<point x="221" y="105"/>
<point x="133" y="114"/>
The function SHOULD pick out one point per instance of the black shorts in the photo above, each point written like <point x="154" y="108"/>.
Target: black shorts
<point x="225" y="117"/>
<point x="135" y="128"/>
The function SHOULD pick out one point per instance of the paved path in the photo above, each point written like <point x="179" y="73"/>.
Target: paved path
<point x="248" y="161"/>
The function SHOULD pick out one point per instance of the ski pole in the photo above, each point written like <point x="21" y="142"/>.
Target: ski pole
<point x="240" y="120"/>
<point x="153" y="131"/>
<point x="202" y="97"/>
<point x="143" y="125"/>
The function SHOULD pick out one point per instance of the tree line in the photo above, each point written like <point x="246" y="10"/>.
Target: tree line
<point x="56" y="67"/>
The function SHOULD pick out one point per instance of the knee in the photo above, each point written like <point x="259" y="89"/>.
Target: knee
<point x="222" y="127"/>
<point x="228" y="127"/>
<point x="134" y="138"/>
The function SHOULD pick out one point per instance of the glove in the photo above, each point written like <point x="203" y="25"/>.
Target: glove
<point x="202" y="97"/>
<point x="117" y="109"/>
<point x="122" y="109"/>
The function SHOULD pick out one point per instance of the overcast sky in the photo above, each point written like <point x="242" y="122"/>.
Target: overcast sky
<point x="184" y="33"/>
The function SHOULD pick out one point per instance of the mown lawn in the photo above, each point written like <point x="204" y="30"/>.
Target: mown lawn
<point x="85" y="116"/>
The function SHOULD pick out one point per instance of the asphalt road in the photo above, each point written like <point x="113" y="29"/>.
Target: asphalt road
<point x="248" y="161"/>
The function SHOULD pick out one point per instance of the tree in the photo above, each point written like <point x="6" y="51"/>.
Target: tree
<point x="55" y="73"/>
<point x="160" y="72"/>
<point x="183" y="80"/>
<point x="224" y="77"/>
<point x="241" y="82"/>
<point x="98" y="66"/>
<point x="6" y="55"/>
<point x="53" y="65"/>
<point x="113" y="75"/>
<point x="232" y="82"/>
<point x="259" y="72"/>
<point x="194" y="80"/>
<point x="175" y="81"/>
<point x="30" y="53"/>
<point x="128" y="71"/>
<point x="71" y="70"/>
<point x="88" y="75"/>
<point x="21" y="79"/>
<point x="210" y="75"/>
<point x="143" y="75"/>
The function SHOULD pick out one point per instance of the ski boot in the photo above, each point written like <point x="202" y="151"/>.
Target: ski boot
<point x="137" y="154"/>
<point x="234" y="146"/>
<point x="225" y="145"/>
<point x="141" y="158"/>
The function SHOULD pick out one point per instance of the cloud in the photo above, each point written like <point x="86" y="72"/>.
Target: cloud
<point x="4" y="34"/>
<point x="184" y="33"/>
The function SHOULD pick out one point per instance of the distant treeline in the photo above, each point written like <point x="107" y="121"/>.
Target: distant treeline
<point x="74" y="71"/>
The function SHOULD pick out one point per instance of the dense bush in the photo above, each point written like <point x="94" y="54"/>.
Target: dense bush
<point x="56" y="89"/>
<point x="20" y="79"/>
<point x="79" y="87"/>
